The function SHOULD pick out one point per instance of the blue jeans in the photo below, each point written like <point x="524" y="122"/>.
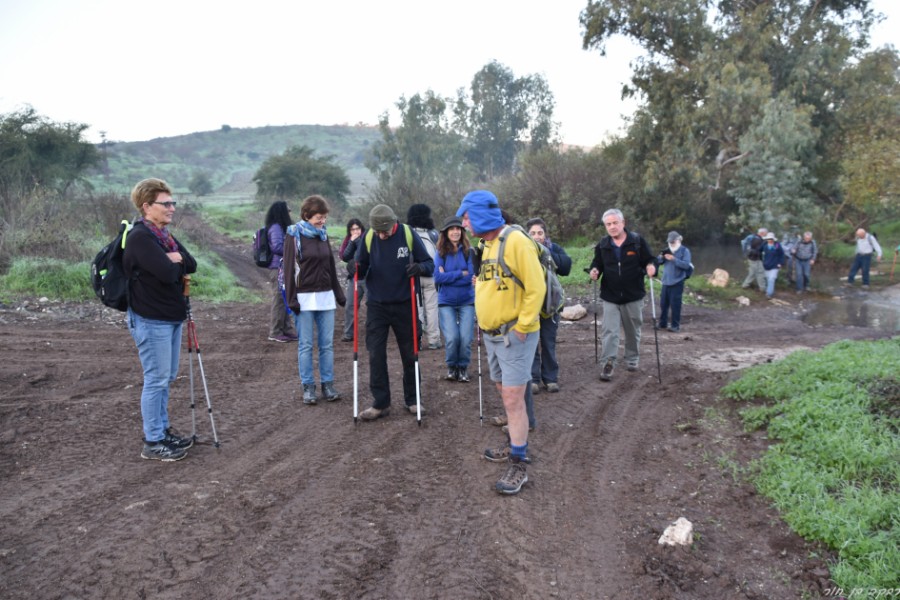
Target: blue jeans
<point x="544" y="367"/>
<point x="458" y="327"/>
<point x="802" y="274"/>
<point x="324" y="323"/>
<point x="159" y="347"/>
<point x="861" y="262"/>
<point x="670" y="297"/>
<point x="771" y="276"/>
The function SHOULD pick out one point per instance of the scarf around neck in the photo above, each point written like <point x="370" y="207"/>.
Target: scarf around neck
<point x="306" y="229"/>
<point x="162" y="235"/>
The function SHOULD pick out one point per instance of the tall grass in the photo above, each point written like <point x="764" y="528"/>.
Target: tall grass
<point x="834" y="472"/>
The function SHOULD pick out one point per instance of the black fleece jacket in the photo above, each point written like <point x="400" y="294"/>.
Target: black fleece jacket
<point x="156" y="291"/>
<point x="622" y="277"/>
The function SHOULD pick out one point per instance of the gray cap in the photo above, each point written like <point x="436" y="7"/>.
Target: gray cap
<point x="674" y="236"/>
<point x="382" y="218"/>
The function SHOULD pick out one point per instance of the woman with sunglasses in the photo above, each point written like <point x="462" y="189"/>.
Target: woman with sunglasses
<point x="155" y="264"/>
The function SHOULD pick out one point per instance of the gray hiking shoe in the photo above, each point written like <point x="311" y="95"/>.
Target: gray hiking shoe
<point x="462" y="374"/>
<point x="176" y="441"/>
<point x="607" y="372"/>
<point x="329" y="392"/>
<point x="309" y="393"/>
<point x="632" y="367"/>
<point x="514" y="478"/>
<point x="553" y="387"/>
<point x="535" y="388"/>
<point x="162" y="451"/>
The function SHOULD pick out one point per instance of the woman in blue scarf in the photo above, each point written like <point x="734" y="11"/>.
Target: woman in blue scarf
<point x="312" y="289"/>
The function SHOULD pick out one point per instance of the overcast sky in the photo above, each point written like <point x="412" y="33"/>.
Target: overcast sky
<point x="156" y="69"/>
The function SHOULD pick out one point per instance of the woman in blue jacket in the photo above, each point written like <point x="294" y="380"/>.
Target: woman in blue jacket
<point x="772" y="256"/>
<point x="453" y="273"/>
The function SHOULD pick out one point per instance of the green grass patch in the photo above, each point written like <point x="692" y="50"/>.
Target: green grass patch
<point x="65" y="280"/>
<point x="237" y="220"/>
<point x="834" y="470"/>
<point x="54" y="278"/>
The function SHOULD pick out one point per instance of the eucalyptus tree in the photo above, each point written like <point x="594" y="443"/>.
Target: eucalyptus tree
<point x="501" y="116"/>
<point x="719" y="84"/>
<point x="422" y="160"/>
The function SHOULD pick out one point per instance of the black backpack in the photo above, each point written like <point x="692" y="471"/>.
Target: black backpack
<point x="107" y="274"/>
<point x="262" y="254"/>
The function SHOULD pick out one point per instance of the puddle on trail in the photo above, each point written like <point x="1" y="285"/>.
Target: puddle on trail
<point x="879" y="309"/>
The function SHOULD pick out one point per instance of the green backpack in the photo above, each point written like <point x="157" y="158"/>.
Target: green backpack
<point x="409" y="240"/>
<point x="555" y="297"/>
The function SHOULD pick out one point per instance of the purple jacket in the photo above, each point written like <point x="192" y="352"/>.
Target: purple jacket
<point x="276" y="244"/>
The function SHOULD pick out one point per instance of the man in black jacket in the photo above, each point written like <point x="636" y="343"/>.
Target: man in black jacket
<point x="387" y="260"/>
<point x="621" y="259"/>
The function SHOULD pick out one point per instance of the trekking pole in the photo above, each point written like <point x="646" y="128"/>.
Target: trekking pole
<point x="594" y="297"/>
<point x="480" y="397"/>
<point x="655" y="334"/>
<point x="355" y="344"/>
<point x="194" y="343"/>
<point x="412" y="291"/>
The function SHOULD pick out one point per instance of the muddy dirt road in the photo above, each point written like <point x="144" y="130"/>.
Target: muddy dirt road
<point x="298" y="502"/>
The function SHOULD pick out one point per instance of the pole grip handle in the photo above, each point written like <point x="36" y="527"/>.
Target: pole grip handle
<point x="186" y="281"/>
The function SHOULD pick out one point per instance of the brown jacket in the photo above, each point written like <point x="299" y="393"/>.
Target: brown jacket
<point x="316" y="271"/>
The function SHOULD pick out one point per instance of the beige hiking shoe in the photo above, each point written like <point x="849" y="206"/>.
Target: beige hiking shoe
<point x="372" y="413"/>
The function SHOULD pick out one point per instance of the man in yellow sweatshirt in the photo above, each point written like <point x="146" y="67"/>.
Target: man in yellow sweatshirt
<point x="509" y="315"/>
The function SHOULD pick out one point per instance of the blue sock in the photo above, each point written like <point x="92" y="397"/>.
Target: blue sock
<point x="519" y="452"/>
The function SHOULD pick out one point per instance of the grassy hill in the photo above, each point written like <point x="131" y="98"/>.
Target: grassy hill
<point x="231" y="156"/>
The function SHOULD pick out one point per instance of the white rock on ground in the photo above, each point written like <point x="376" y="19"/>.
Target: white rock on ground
<point x="679" y="533"/>
<point x="573" y="313"/>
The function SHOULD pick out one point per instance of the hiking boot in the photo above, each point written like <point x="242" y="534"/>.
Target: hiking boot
<point x="631" y="367"/>
<point x="162" y="451"/>
<point x="412" y="408"/>
<point x="292" y="337"/>
<point x="281" y="338"/>
<point x="501" y="454"/>
<point x="176" y="441"/>
<point x="346" y="339"/>
<point x="452" y="374"/>
<point x="553" y="387"/>
<point x="607" y="372"/>
<point x="674" y="329"/>
<point x="499" y="420"/>
<point x="434" y="346"/>
<point x="309" y="393"/>
<point x="462" y="374"/>
<point x="514" y="478"/>
<point x="329" y="392"/>
<point x="535" y="389"/>
<point x="372" y="413"/>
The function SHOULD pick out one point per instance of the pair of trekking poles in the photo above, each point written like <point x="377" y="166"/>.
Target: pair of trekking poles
<point x="193" y="345"/>
<point x="655" y="334"/>
<point x="415" y="331"/>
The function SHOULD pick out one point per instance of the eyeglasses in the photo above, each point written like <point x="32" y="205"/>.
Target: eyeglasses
<point x="168" y="204"/>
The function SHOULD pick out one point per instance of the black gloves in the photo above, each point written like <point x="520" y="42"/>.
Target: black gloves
<point x="414" y="270"/>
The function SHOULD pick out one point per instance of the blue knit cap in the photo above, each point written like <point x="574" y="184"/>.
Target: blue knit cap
<point x="483" y="209"/>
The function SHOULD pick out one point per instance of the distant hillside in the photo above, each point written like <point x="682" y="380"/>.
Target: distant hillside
<point x="231" y="156"/>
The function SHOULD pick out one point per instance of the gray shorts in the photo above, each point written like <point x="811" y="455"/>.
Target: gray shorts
<point x="511" y="365"/>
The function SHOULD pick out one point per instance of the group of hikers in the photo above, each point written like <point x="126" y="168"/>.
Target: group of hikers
<point x="418" y="279"/>
<point x="797" y="254"/>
